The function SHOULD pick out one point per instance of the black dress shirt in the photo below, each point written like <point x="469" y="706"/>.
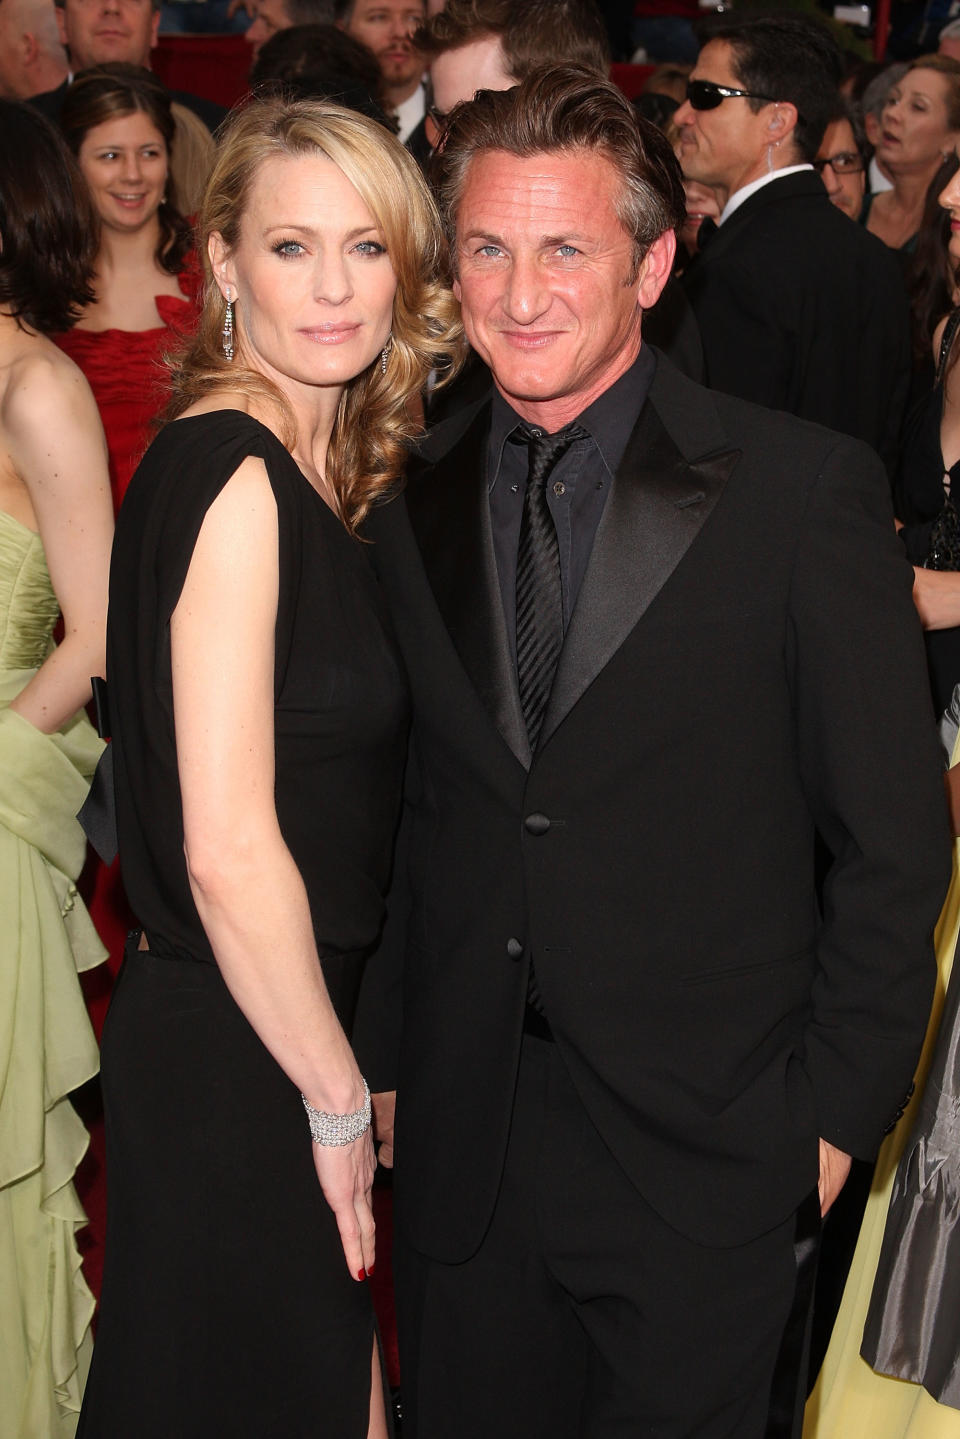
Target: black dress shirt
<point x="577" y="487"/>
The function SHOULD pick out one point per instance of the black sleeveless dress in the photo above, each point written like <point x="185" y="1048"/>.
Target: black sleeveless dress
<point x="227" y="1309"/>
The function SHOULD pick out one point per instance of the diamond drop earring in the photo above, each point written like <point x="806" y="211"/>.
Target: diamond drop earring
<point x="226" y="334"/>
<point x="385" y="354"/>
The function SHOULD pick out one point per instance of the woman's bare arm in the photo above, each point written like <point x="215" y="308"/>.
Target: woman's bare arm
<point x="248" y="891"/>
<point x="56" y="446"/>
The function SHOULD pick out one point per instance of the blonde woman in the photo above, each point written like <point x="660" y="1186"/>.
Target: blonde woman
<point x="259" y="718"/>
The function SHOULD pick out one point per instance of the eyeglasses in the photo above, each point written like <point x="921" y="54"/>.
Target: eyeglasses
<point x="705" y="95"/>
<point x="439" y="117"/>
<point x="847" y="162"/>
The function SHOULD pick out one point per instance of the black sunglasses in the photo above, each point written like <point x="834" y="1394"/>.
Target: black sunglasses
<point x="705" y="95"/>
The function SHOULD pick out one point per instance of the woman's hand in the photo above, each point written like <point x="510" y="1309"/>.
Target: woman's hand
<point x="346" y="1178"/>
<point x="936" y="594"/>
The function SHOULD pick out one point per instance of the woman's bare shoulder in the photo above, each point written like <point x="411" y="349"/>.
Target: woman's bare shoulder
<point x="38" y="381"/>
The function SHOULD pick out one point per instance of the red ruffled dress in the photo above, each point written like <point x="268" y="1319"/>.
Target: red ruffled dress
<point x="126" y="372"/>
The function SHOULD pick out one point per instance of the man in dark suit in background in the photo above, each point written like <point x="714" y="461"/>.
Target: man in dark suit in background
<point x="797" y="310"/>
<point x="101" y="32"/>
<point x="656" y="639"/>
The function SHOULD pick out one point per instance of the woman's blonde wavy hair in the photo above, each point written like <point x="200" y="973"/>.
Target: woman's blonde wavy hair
<point x="368" y="446"/>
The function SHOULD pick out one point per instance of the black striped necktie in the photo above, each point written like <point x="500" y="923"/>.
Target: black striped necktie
<point x="539" y="592"/>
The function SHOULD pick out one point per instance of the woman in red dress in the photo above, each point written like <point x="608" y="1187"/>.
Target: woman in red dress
<point x="118" y="123"/>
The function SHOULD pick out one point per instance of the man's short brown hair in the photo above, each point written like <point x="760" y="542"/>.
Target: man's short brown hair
<point x="567" y="108"/>
<point x="531" y="32"/>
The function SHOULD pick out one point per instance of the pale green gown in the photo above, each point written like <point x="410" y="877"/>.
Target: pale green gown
<point x="850" y="1400"/>
<point x="47" y="1047"/>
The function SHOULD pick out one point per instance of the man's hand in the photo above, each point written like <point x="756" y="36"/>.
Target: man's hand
<point x="834" y="1168"/>
<point x="384" y="1105"/>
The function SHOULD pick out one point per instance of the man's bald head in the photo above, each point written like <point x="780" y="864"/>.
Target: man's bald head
<point x="32" y="58"/>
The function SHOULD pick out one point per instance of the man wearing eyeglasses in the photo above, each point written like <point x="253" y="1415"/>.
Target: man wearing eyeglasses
<point x="798" y="310"/>
<point x="842" y="160"/>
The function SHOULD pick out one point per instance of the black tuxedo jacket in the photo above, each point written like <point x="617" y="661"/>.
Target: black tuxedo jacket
<point x="803" y="310"/>
<point x="743" y="665"/>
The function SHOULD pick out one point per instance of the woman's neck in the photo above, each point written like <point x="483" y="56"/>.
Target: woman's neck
<point x="128" y="281"/>
<point x="910" y="189"/>
<point x="315" y="422"/>
<point x="314" y="409"/>
<point x="128" y="250"/>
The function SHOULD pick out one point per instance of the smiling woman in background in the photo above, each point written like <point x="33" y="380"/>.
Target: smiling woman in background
<point x="118" y="122"/>
<point x="920" y="126"/>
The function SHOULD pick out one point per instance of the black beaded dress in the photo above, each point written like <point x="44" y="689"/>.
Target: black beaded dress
<point x="918" y="494"/>
<point x="227" y="1308"/>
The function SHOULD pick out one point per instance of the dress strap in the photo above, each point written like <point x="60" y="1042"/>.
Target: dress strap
<point x="946" y="343"/>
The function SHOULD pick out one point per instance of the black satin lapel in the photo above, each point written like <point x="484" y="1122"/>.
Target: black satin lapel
<point x="450" y="516"/>
<point x="656" y="507"/>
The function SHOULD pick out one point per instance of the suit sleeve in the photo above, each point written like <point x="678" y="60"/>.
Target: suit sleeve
<point x="377" y="1023"/>
<point x="872" y="774"/>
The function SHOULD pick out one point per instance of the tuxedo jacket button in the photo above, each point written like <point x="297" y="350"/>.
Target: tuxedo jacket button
<point x="536" y="824"/>
<point x="514" y="949"/>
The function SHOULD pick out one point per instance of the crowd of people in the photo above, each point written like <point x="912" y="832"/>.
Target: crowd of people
<point x="507" y="532"/>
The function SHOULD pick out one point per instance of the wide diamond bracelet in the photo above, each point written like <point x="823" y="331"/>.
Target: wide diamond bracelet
<point x="335" y="1130"/>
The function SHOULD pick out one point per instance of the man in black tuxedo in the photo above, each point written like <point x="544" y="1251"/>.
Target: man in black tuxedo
<point x="656" y="639"/>
<point x="797" y="310"/>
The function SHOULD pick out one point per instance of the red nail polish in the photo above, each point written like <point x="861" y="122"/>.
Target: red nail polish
<point x="370" y="1271"/>
<point x="362" y="1274"/>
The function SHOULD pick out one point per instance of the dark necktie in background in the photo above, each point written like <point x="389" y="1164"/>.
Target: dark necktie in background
<point x="539" y="589"/>
<point x="708" y="228"/>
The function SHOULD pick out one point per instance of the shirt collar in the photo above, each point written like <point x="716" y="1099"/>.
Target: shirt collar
<point x="609" y="420"/>
<point x="745" y="191"/>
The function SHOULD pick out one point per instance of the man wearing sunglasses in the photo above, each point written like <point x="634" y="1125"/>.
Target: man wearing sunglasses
<point x="797" y="309"/>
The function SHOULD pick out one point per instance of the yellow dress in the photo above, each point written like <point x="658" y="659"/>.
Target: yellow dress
<point x="850" y="1400"/>
<point x="47" y="1047"/>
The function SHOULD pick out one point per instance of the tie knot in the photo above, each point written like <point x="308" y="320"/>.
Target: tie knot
<point x="545" y="450"/>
